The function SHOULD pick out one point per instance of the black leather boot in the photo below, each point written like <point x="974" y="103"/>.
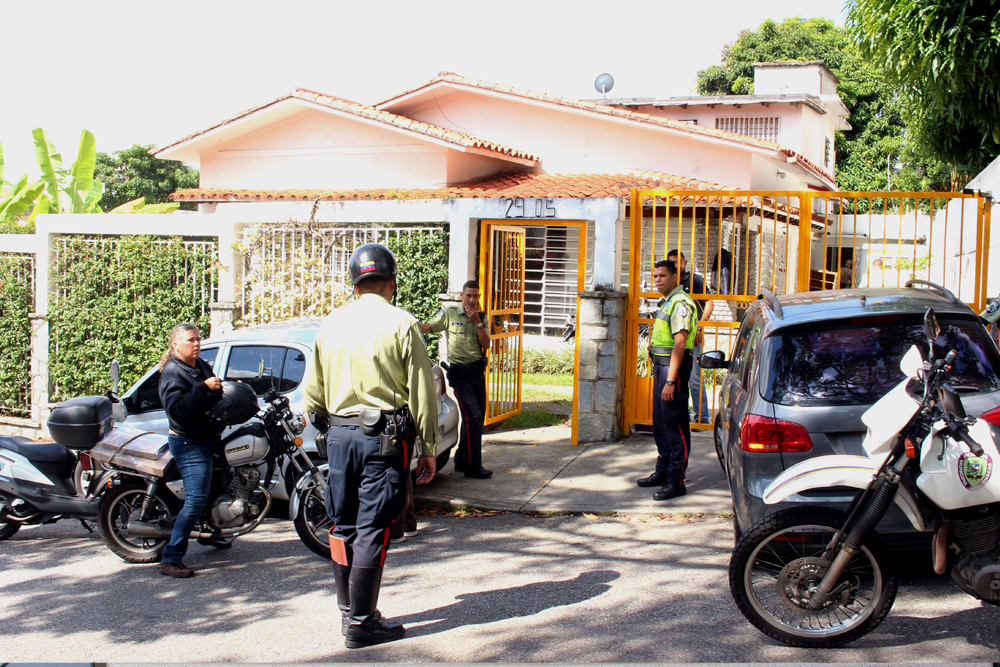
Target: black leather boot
<point x="342" y="578"/>
<point x="366" y="626"/>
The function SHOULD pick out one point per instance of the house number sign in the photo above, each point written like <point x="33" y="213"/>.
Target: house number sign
<point x="520" y="207"/>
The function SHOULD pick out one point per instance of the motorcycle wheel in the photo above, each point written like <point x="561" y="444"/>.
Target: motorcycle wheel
<point x="8" y="528"/>
<point x="312" y="523"/>
<point x="778" y="560"/>
<point x="114" y="511"/>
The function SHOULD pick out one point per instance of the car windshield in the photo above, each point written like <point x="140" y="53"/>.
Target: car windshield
<point x="857" y="362"/>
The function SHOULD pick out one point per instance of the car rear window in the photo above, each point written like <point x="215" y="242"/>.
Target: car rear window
<point x="857" y="363"/>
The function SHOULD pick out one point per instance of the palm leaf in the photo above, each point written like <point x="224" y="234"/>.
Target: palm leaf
<point x="81" y="175"/>
<point x="50" y="162"/>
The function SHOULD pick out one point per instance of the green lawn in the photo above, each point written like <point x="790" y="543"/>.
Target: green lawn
<point x="529" y="418"/>
<point x="546" y="379"/>
<point x="546" y="394"/>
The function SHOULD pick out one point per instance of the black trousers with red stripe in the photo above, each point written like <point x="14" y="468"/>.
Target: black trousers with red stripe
<point x="671" y="423"/>
<point x="469" y="384"/>
<point x="364" y="495"/>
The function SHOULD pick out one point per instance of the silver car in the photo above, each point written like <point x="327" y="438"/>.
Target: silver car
<point x="265" y="357"/>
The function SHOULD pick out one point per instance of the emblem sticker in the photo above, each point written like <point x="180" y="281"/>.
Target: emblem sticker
<point x="974" y="470"/>
<point x="368" y="265"/>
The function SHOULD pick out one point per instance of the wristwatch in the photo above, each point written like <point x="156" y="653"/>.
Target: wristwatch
<point x="479" y="325"/>
<point x="671" y="383"/>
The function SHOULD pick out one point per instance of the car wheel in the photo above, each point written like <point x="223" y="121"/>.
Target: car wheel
<point x="717" y="432"/>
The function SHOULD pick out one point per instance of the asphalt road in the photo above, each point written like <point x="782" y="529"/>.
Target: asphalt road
<point x="510" y="588"/>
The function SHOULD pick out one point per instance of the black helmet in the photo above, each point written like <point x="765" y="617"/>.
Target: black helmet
<point x="238" y="404"/>
<point x="371" y="260"/>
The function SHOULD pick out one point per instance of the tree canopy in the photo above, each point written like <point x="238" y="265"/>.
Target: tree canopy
<point x="946" y="58"/>
<point x="133" y="173"/>
<point x="878" y="113"/>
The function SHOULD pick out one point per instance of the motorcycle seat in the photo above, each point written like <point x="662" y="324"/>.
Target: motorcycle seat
<point x="41" y="452"/>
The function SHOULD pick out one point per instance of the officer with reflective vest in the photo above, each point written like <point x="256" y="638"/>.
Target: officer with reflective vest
<point x="371" y="378"/>
<point x="671" y="345"/>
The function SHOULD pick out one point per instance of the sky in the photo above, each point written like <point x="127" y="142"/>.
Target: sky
<point x="154" y="72"/>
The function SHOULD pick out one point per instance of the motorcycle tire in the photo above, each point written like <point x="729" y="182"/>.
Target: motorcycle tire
<point x="777" y="561"/>
<point x="114" y="511"/>
<point x="312" y="523"/>
<point x="8" y="529"/>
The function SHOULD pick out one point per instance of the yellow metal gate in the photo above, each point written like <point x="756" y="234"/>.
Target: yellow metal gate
<point x="743" y="242"/>
<point x="502" y="268"/>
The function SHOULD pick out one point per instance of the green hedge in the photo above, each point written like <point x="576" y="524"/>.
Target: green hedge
<point x="548" y="360"/>
<point x="15" y="335"/>
<point x="423" y="276"/>
<point x="118" y="299"/>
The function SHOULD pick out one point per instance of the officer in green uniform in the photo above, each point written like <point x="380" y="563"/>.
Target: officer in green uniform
<point x="467" y="338"/>
<point x="670" y="350"/>
<point x="371" y="379"/>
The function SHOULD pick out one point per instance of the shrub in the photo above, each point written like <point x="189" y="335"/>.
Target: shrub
<point x="548" y="360"/>
<point x="15" y="335"/>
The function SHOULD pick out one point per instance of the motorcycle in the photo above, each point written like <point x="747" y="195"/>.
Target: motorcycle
<point x="43" y="482"/>
<point x="819" y="577"/>
<point x="135" y="515"/>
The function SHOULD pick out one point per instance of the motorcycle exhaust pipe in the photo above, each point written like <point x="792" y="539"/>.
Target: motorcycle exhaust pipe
<point x="146" y="529"/>
<point x="159" y="530"/>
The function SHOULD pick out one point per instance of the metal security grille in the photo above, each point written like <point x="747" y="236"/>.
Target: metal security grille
<point x="301" y="270"/>
<point x="550" y="279"/>
<point x="505" y="272"/>
<point x="759" y="127"/>
<point x="17" y="275"/>
<point x="203" y="291"/>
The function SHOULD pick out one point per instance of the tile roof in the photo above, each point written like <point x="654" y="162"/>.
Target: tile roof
<point x="371" y="113"/>
<point x="782" y="152"/>
<point x="510" y="185"/>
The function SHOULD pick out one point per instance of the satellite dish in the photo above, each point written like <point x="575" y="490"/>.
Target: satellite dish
<point x="604" y="83"/>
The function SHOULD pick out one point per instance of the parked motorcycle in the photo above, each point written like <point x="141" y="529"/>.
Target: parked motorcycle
<point x="41" y="482"/>
<point x="819" y="577"/>
<point x="135" y="516"/>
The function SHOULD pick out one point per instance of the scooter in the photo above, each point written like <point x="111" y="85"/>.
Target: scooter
<point x="817" y="577"/>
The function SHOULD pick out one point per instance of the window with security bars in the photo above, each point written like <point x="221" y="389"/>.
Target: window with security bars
<point x="758" y="127"/>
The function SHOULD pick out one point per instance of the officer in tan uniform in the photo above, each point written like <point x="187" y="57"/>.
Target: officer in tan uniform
<point x="468" y="339"/>
<point x="371" y="377"/>
<point x="670" y="351"/>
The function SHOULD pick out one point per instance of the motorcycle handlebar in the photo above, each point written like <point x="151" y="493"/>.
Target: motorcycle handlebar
<point x="963" y="435"/>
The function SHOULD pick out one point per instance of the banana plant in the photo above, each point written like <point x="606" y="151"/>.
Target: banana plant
<point x="140" y="206"/>
<point x="82" y="191"/>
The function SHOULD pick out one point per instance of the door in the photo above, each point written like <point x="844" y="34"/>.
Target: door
<point x="502" y="277"/>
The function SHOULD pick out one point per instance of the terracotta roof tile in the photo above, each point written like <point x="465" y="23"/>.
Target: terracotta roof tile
<point x="781" y="151"/>
<point x="386" y="117"/>
<point x="509" y="185"/>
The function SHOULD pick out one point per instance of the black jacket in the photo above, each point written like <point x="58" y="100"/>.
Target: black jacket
<point x="187" y="399"/>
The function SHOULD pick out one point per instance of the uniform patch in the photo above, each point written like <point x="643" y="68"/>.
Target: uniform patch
<point x="974" y="470"/>
<point x="681" y="310"/>
<point x="368" y="265"/>
<point x="993" y="306"/>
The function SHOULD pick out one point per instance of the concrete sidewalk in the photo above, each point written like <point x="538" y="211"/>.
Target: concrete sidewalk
<point x="539" y="471"/>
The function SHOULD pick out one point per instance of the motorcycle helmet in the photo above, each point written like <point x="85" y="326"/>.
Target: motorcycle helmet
<point x="371" y="260"/>
<point x="238" y="404"/>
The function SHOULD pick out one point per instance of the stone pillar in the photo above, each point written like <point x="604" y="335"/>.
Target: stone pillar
<point x="602" y="353"/>
<point x="223" y="314"/>
<point x="40" y="389"/>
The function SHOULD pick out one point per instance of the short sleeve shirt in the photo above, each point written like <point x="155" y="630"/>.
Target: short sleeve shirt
<point x="463" y="340"/>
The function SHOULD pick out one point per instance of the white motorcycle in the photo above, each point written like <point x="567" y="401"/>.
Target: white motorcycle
<point x="819" y="577"/>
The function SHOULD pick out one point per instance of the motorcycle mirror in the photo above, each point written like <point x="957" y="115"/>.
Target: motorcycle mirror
<point x="116" y="376"/>
<point x="952" y="403"/>
<point x="931" y="328"/>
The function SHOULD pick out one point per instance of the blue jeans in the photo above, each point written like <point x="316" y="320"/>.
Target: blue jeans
<point x="194" y="462"/>
<point x="693" y="385"/>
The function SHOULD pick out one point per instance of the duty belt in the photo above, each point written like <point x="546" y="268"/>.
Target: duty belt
<point x="661" y="355"/>
<point x="355" y="420"/>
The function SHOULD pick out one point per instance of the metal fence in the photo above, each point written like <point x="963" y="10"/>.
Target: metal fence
<point x="18" y="295"/>
<point x="301" y="270"/>
<point x="787" y="242"/>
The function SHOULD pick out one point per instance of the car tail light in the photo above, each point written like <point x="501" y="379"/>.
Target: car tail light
<point x="766" y="434"/>
<point x="85" y="461"/>
<point x="991" y="416"/>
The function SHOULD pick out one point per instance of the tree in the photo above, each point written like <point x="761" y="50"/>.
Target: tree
<point x="946" y="56"/>
<point x="133" y="173"/>
<point x="59" y="190"/>
<point x="878" y="113"/>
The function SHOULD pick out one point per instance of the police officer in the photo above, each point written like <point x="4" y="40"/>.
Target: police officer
<point x="670" y="350"/>
<point x="371" y="378"/>
<point x="695" y="284"/>
<point x="467" y="341"/>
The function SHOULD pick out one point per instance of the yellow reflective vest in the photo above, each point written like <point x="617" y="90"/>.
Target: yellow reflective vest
<point x="677" y="312"/>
